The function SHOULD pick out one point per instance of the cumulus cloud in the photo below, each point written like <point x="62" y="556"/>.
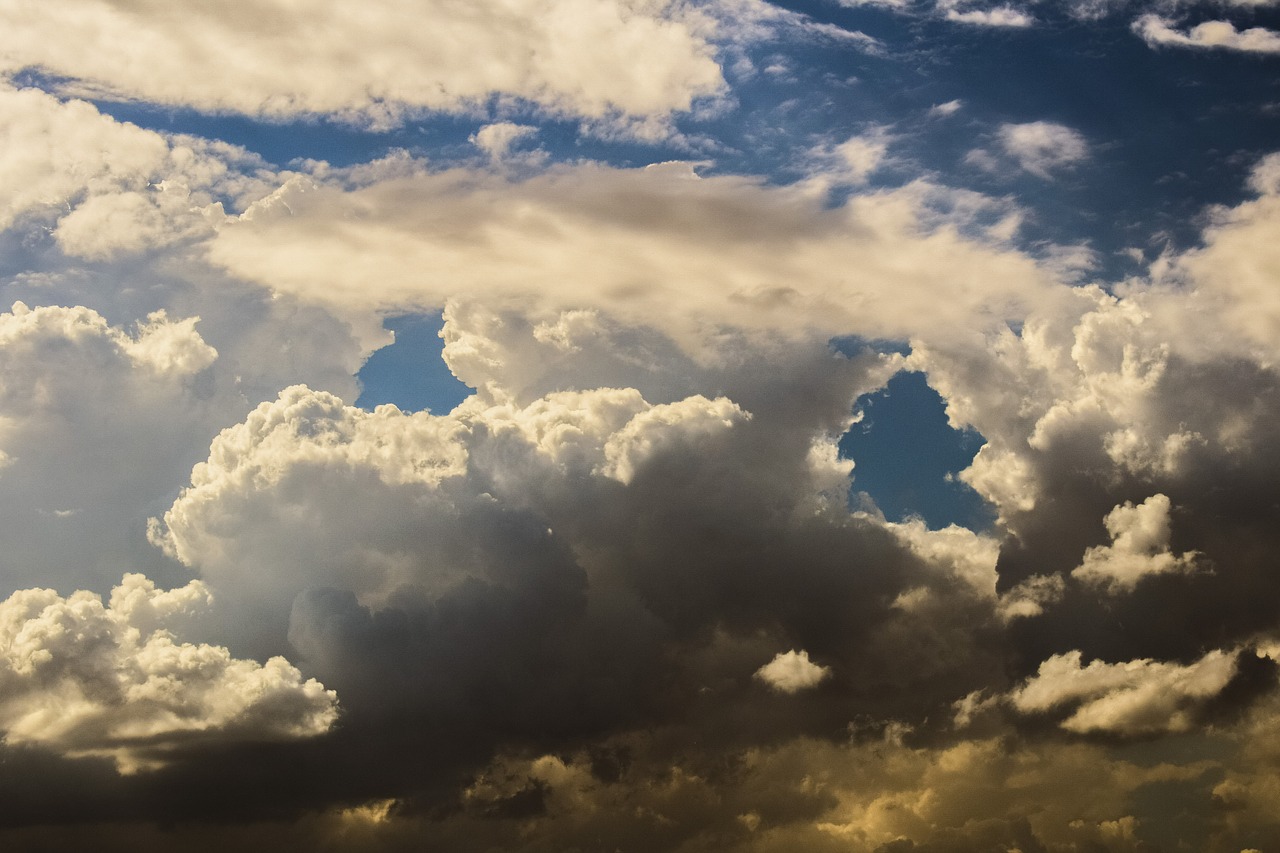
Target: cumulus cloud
<point x="87" y="679"/>
<point x="1133" y="698"/>
<point x="791" y="672"/>
<point x="1042" y="147"/>
<point x="590" y="59"/>
<point x="546" y="612"/>
<point x="72" y="385"/>
<point x="467" y="580"/>
<point x="110" y="188"/>
<point x="1224" y="282"/>
<point x="1158" y="31"/>
<point x="422" y="518"/>
<point x="1139" y="547"/>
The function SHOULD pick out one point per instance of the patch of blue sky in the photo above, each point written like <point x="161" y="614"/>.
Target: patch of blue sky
<point x="906" y="452"/>
<point x="1169" y="131"/>
<point x="410" y="372"/>
<point x="907" y="455"/>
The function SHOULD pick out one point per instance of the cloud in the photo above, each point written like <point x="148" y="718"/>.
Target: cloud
<point x="1139" y="547"/>
<point x="110" y="188"/>
<point x="256" y="521"/>
<point x="73" y="384"/>
<point x="947" y="108"/>
<point x="1224" y="281"/>
<point x="1042" y="147"/>
<point x="855" y="159"/>
<point x="87" y="679"/>
<point x="1158" y="31"/>
<point x="997" y="16"/>
<point x="634" y="243"/>
<point x="791" y="672"/>
<point x="1134" y="698"/>
<point x="471" y="580"/>
<point x="546" y="611"/>
<point x="496" y="139"/>
<point x="1031" y="597"/>
<point x="1101" y="406"/>
<point x="589" y="59"/>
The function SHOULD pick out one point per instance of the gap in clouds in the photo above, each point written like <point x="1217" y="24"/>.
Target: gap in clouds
<point x="907" y="456"/>
<point x="410" y="371"/>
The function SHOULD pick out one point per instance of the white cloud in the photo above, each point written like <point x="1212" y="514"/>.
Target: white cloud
<point x="110" y="188"/>
<point x="1139" y="547"/>
<point x="1093" y="10"/>
<point x="1159" y="31"/>
<point x="496" y="139"/>
<point x="378" y="63"/>
<point x="857" y="4"/>
<point x="739" y="22"/>
<point x="311" y="492"/>
<point x="660" y="427"/>
<point x="1264" y="178"/>
<point x="864" y="42"/>
<point x="862" y="155"/>
<point x="997" y="16"/>
<point x="1083" y="382"/>
<point x="963" y="554"/>
<point x="791" y="672"/>
<point x="948" y="108"/>
<point x="1042" y="147"/>
<point x="657" y="247"/>
<point x="71" y="386"/>
<point x="1220" y="297"/>
<point x="1134" y="698"/>
<point x="84" y="679"/>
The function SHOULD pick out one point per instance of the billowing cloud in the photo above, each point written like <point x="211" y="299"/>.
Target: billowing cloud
<point x="1139" y="547"/>
<point x="1132" y="698"/>
<point x="110" y="188"/>
<point x="558" y="616"/>
<point x="791" y="672"/>
<point x="590" y="59"/>
<point x="73" y="382"/>
<point x="1226" y="281"/>
<point x="87" y="679"/>
<point x="1159" y="31"/>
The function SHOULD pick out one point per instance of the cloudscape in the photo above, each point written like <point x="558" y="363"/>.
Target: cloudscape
<point x="640" y="425"/>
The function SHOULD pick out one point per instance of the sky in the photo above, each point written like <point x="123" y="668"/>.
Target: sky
<point x="640" y="425"/>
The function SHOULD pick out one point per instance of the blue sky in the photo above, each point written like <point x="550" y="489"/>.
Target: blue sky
<point x="824" y="425"/>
